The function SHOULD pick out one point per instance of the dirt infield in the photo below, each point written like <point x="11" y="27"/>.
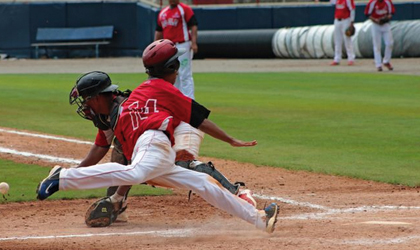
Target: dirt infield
<point x="317" y="211"/>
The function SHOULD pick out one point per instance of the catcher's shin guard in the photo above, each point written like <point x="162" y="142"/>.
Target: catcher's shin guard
<point x="209" y="169"/>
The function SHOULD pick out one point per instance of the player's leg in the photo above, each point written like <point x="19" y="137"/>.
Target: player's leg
<point x="187" y="145"/>
<point x="338" y="41"/>
<point x="188" y="138"/>
<point x="185" y="82"/>
<point x="349" y="44"/>
<point x="211" y="191"/>
<point x="117" y="155"/>
<point x="376" y="40"/>
<point x="152" y="157"/>
<point x="389" y="43"/>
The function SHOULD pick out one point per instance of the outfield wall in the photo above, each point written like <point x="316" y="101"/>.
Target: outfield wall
<point x="135" y="23"/>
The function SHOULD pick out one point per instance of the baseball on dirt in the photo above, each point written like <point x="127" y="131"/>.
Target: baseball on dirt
<point x="4" y="188"/>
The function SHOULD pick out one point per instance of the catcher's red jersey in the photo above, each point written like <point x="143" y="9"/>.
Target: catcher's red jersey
<point x="379" y="9"/>
<point x="174" y="23"/>
<point x="155" y="104"/>
<point x="343" y="9"/>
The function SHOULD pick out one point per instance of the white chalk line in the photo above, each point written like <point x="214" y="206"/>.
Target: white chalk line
<point x="370" y="242"/>
<point x="45" y="136"/>
<point x="305" y="216"/>
<point x="163" y="233"/>
<point x="40" y="156"/>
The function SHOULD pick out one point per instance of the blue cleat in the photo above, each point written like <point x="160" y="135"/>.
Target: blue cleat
<point x="49" y="185"/>
<point x="271" y="212"/>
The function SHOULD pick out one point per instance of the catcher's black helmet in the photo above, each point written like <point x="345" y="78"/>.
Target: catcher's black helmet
<point x="161" y="58"/>
<point x="87" y="86"/>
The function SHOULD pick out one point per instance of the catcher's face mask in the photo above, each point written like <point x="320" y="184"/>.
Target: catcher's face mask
<point x="82" y="109"/>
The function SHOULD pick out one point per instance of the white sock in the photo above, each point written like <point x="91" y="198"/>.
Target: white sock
<point x="116" y="198"/>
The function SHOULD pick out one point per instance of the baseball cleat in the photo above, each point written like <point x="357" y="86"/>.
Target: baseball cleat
<point x="49" y="185"/>
<point x="379" y="68"/>
<point x="246" y="195"/>
<point x="350" y="63"/>
<point x="271" y="213"/>
<point x="389" y="66"/>
<point x="334" y="63"/>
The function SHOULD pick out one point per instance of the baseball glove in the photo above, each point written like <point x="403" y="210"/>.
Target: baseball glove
<point x="102" y="213"/>
<point x="384" y="20"/>
<point x="350" y="31"/>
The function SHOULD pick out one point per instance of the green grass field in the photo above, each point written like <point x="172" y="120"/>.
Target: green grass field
<point x="359" y="125"/>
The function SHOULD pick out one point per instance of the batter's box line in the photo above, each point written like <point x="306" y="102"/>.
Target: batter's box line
<point x="331" y="211"/>
<point x="160" y="233"/>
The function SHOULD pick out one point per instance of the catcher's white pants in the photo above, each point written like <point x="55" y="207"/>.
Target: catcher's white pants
<point x="340" y="37"/>
<point x="184" y="81"/>
<point x="153" y="160"/>
<point x="379" y="31"/>
<point x="188" y="138"/>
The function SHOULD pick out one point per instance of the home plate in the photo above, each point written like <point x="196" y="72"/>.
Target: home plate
<point x="386" y="223"/>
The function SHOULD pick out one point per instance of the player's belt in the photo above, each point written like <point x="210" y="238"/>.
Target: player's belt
<point x="339" y="19"/>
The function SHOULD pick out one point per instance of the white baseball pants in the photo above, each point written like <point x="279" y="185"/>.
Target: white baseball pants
<point x="340" y="37"/>
<point x="153" y="159"/>
<point x="184" y="81"/>
<point x="379" y="31"/>
<point x="188" y="138"/>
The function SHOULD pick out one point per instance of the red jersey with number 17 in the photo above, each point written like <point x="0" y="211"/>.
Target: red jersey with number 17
<point x="155" y="104"/>
<point x="174" y="23"/>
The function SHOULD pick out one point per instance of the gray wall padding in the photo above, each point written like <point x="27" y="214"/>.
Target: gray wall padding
<point x="235" y="43"/>
<point x="318" y="41"/>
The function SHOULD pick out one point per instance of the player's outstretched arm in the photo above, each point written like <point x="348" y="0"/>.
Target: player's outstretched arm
<point x="95" y="154"/>
<point x="215" y="131"/>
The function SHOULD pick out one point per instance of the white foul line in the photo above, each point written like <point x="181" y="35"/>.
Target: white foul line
<point x="40" y="156"/>
<point x="45" y="136"/>
<point x="291" y="202"/>
<point x="163" y="233"/>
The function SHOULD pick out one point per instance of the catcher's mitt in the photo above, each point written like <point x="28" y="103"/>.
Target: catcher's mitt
<point x="350" y="30"/>
<point x="102" y="213"/>
<point x="384" y="20"/>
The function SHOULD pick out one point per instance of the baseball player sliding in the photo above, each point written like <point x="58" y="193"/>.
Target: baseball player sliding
<point x="380" y="13"/>
<point x="187" y="144"/>
<point x="145" y="124"/>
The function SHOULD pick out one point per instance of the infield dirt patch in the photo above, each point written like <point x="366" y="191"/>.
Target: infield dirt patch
<point x="317" y="211"/>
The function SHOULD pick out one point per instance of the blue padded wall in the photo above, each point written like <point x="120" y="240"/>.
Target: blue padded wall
<point x="14" y="28"/>
<point x="254" y="18"/>
<point x="216" y="18"/>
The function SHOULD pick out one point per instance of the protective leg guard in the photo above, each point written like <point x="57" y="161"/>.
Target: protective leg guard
<point x="209" y="169"/>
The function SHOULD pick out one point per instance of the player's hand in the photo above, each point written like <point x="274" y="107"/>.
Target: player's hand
<point x="239" y="143"/>
<point x="194" y="47"/>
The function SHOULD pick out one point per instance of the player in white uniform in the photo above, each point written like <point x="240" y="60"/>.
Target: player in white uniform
<point x="380" y="13"/>
<point x="178" y="23"/>
<point x="145" y="124"/>
<point x="343" y="18"/>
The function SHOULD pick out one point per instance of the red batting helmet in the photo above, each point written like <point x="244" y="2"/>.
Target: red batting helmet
<point x="161" y="58"/>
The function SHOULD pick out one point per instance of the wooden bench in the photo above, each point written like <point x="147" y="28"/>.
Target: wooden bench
<point x="56" y="37"/>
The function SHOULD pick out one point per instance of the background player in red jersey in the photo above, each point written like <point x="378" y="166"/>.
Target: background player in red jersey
<point x="380" y="12"/>
<point x="177" y="23"/>
<point x="343" y="18"/>
<point x="145" y="124"/>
